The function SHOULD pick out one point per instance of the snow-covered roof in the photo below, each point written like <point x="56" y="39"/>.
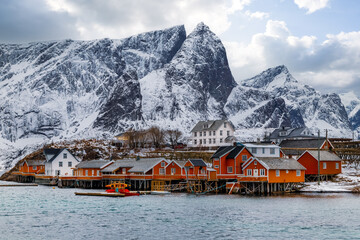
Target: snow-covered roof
<point x="325" y="156"/>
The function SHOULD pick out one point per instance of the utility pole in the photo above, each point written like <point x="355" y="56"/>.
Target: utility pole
<point x="319" y="158"/>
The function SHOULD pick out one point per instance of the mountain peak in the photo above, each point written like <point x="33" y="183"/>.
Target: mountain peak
<point x="273" y="77"/>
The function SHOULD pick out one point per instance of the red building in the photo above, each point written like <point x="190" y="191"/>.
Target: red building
<point x="227" y="161"/>
<point x="330" y="163"/>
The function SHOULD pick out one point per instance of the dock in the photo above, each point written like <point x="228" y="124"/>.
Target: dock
<point x="19" y="185"/>
<point x="100" y="194"/>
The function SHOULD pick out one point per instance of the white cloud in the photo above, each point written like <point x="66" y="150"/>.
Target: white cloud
<point x="118" y="19"/>
<point x="330" y="64"/>
<point x="312" y="5"/>
<point x="257" y="14"/>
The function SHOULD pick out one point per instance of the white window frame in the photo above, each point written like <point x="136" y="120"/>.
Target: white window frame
<point x="263" y="150"/>
<point x="244" y="158"/>
<point x="221" y="140"/>
<point x="324" y="165"/>
<point x="86" y="173"/>
<point x="272" y="151"/>
<point x="230" y="169"/>
<point x="262" y="172"/>
<point x="216" y="166"/>
<point x="34" y="168"/>
<point x="278" y="173"/>
<point x="337" y="165"/>
<point x="173" y="171"/>
<point x="209" y="140"/>
<point x="298" y="173"/>
<point x="195" y="134"/>
<point x="209" y="133"/>
<point x="221" y="132"/>
<point x="162" y="171"/>
<point x="255" y="162"/>
<point x="64" y="155"/>
<point x="69" y="164"/>
<point x="61" y="164"/>
<point x="123" y="170"/>
<point x="254" y="150"/>
<point x="214" y="140"/>
<point x="195" y="142"/>
<point x="249" y="172"/>
<point x="162" y="164"/>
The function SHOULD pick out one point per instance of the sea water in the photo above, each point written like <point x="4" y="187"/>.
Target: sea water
<point x="51" y="213"/>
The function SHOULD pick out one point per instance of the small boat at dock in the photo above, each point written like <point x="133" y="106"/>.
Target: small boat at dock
<point x="119" y="187"/>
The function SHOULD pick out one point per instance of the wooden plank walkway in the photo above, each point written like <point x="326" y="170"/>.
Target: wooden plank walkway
<point x="100" y="194"/>
<point x="19" y="185"/>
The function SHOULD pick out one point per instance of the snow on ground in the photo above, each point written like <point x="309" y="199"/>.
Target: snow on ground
<point x="347" y="181"/>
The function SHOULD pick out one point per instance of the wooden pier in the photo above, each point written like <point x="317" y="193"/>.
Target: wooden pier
<point x="19" y="185"/>
<point x="100" y="194"/>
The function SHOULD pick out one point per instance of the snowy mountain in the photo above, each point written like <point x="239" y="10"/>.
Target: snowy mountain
<point x="352" y="105"/>
<point x="79" y="89"/>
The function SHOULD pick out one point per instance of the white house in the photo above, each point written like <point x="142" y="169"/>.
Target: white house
<point x="212" y="133"/>
<point x="59" y="162"/>
<point x="263" y="149"/>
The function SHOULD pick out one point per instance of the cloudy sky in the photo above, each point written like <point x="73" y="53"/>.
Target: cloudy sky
<point x="318" y="40"/>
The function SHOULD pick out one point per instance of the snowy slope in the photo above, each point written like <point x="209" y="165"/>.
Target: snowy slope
<point x="352" y="105"/>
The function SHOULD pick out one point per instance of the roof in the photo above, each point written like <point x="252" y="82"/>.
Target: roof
<point x="181" y="163"/>
<point x="293" y="132"/>
<point x="92" y="164"/>
<point x="325" y="156"/>
<point x="293" y="151"/>
<point x="198" y="162"/>
<point x="234" y="152"/>
<point x="145" y="164"/>
<point x="35" y="162"/>
<point x="52" y="153"/>
<point x="211" y="125"/>
<point x="281" y="163"/>
<point x="302" y="143"/>
<point x="268" y="145"/>
<point x="221" y="151"/>
<point x="127" y="163"/>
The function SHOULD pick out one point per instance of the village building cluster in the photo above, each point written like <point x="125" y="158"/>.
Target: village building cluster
<point x="286" y="158"/>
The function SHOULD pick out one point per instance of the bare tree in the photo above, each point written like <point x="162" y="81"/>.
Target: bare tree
<point x="173" y="136"/>
<point x="156" y="135"/>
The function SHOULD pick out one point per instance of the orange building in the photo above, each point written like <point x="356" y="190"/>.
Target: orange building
<point x="227" y="161"/>
<point x="32" y="167"/>
<point x="273" y="170"/>
<point x="195" y="168"/>
<point x="296" y="147"/>
<point x="330" y="163"/>
<point x="90" y="168"/>
<point x="175" y="169"/>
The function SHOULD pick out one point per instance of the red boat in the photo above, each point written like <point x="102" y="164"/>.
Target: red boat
<point x="118" y="187"/>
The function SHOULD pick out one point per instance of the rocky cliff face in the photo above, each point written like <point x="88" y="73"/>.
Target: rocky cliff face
<point x="78" y="89"/>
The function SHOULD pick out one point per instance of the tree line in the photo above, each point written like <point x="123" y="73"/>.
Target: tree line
<point x="151" y="137"/>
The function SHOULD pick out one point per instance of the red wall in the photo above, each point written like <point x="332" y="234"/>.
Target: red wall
<point x="311" y="165"/>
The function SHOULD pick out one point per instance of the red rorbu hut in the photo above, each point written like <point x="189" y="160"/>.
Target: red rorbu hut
<point x="330" y="163"/>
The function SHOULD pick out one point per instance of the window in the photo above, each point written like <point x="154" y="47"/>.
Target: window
<point x="278" y="173"/>
<point x="224" y="124"/>
<point x="173" y="171"/>
<point x="162" y="164"/>
<point x="214" y="133"/>
<point x="254" y="150"/>
<point x="86" y="172"/>
<point x="69" y="164"/>
<point x="298" y="173"/>
<point x="216" y="166"/>
<point x="272" y="150"/>
<point x="162" y="171"/>
<point x="195" y="142"/>
<point x="200" y="134"/>
<point x="98" y="172"/>
<point x="221" y="140"/>
<point x="337" y="165"/>
<point x="204" y="141"/>
<point x="204" y="133"/>
<point x="287" y="171"/>
<point x="124" y="171"/>
<point x="263" y="150"/>
<point x="255" y="162"/>
<point x="249" y="172"/>
<point x="57" y="172"/>
<point x="200" y="141"/>
<point x="92" y="172"/>
<point x="230" y="169"/>
<point x="214" y="140"/>
<point x="202" y="171"/>
<point x="34" y="167"/>
<point x="209" y="140"/>
<point x="195" y="134"/>
<point x="228" y="133"/>
<point x="65" y="156"/>
<point x="324" y="165"/>
<point x="244" y="158"/>
<point x="262" y="172"/>
<point x="220" y="132"/>
<point x="209" y="133"/>
<point x="60" y="164"/>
